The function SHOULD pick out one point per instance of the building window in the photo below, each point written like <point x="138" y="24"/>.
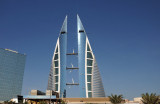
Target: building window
<point x="89" y="62"/>
<point x="56" y="63"/>
<point x="56" y="57"/>
<point x="89" y="70"/>
<point x="57" y="49"/>
<point x="89" y="86"/>
<point x="56" y="70"/>
<point x="88" y="49"/>
<point x="56" y="87"/>
<point x="56" y="78"/>
<point x="89" y="94"/>
<point x="89" y="55"/>
<point x="89" y="78"/>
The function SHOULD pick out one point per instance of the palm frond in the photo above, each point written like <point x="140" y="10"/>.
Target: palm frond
<point x="150" y="98"/>
<point x="116" y="99"/>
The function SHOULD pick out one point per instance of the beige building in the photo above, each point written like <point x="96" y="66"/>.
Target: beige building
<point x="138" y="99"/>
<point x="37" y="92"/>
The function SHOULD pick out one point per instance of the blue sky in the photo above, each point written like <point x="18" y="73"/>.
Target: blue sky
<point x="124" y="35"/>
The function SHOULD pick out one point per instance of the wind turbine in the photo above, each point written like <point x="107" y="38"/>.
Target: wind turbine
<point x="72" y="81"/>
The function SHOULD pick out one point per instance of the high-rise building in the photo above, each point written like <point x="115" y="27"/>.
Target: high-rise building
<point x="90" y="83"/>
<point x="12" y="66"/>
<point x="57" y="76"/>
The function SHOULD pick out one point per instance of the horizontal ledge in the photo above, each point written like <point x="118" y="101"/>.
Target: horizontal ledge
<point x="72" y="83"/>
<point x="72" y="54"/>
<point x="72" y="68"/>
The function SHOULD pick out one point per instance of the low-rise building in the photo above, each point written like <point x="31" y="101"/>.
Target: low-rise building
<point x="37" y="92"/>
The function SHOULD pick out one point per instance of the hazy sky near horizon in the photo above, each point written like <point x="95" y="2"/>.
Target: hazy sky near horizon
<point x="124" y="36"/>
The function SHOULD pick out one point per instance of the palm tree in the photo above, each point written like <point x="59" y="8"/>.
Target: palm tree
<point x="115" y="99"/>
<point x="150" y="99"/>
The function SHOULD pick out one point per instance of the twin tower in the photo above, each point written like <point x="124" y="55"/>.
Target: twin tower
<point x="90" y="83"/>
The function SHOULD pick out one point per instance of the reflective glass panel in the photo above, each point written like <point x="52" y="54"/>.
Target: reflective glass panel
<point x="56" y="87"/>
<point x="56" y="78"/>
<point x="57" y="49"/>
<point x="89" y="62"/>
<point x="88" y="49"/>
<point x="89" y="78"/>
<point x="89" y="70"/>
<point x="89" y="94"/>
<point x="11" y="73"/>
<point x="89" y="86"/>
<point x="56" y="57"/>
<point x="89" y="55"/>
<point x="56" y="70"/>
<point x="56" y="63"/>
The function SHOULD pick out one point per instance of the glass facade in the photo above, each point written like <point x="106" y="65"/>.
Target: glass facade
<point x="12" y="66"/>
<point x="63" y="52"/>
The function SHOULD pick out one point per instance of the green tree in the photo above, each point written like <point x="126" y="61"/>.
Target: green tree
<point x="150" y="99"/>
<point x="6" y="102"/>
<point x="63" y="102"/>
<point x="115" y="99"/>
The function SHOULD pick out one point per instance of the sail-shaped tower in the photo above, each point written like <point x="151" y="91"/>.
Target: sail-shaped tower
<point x="57" y="75"/>
<point x="90" y="82"/>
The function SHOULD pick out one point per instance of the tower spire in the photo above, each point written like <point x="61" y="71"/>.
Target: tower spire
<point x="80" y="25"/>
<point x="64" y="26"/>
